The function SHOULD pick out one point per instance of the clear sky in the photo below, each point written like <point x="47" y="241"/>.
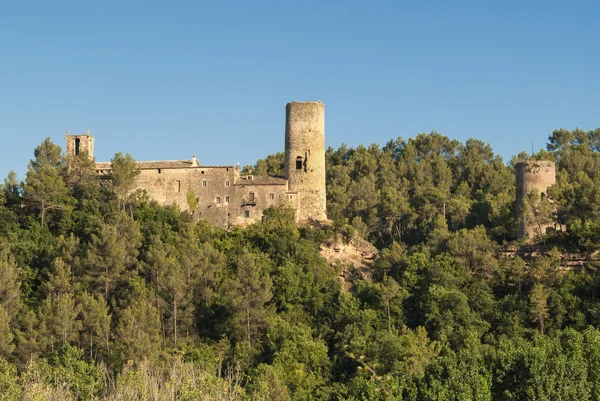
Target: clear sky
<point x="164" y="80"/>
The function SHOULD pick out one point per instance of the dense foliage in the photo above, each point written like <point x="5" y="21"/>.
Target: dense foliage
<point x="106" y="295"/>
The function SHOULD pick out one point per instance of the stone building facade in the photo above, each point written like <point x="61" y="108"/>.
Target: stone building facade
<point x="224" y="196"/>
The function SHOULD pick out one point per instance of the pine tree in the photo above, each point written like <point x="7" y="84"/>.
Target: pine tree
<point x="95" y="319"/>
<point x="110" y="253"/>
<point x="123" y="175"/>
<point x="249" y="291"/>
<point x="538" y="299"/>
<point x="390" y="289"/>
<point x="45" y="189"/>
<point x="10" y="282"/>
<point x="138" y="328"/>
<point x="6" y="336"/>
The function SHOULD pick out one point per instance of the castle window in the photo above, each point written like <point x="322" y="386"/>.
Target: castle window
<point x="251" y="195"/>
<point x="202" y="172"/>
<point x="299" y="163"/>
<point x="227" y="199"/>
<point x="177" y="185"/>
<point x="77" y="144"/>
<point x="218" y="199"/>
<point x="247" y="213"/>
<point x="271" y="196"/>
<point x="204" y="183"/>
<point x="159" y="171"/>
<point x="227" y="183"/>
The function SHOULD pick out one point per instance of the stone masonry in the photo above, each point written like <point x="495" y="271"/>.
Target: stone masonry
<point x="224" y="196"/>
<point x="533" y="175"/>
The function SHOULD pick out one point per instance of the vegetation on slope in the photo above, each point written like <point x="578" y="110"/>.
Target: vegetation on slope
<point x="110" y="296"/>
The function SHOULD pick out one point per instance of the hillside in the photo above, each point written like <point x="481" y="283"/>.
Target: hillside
<point x="416" y="289"/>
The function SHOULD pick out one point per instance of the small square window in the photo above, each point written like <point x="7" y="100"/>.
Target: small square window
<point x="202" y="172"/>
<point x="218" y="200"/>
<point x="204" y="183"/>
<point x="246" y="213"/>
<point x="227" y="199"/>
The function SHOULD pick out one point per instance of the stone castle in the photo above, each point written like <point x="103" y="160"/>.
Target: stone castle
<point x="221" y="194"/>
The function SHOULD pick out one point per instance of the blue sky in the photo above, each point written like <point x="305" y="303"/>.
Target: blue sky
<point x="163" y="80"/>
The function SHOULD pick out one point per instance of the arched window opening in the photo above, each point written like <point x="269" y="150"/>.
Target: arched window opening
<point x="77" y="143"/>
<point x="299" y="163"/>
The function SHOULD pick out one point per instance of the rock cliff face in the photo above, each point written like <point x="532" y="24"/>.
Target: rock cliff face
<point x="354" y="258"/>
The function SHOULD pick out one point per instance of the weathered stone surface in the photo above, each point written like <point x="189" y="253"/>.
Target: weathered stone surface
<point x="533" y="175"/>
<point x="304" y="164"/>
<point x="226" y="198"/>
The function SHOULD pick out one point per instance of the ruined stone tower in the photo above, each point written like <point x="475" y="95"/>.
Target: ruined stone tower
<point x="304" y="164"/>
<point x="80" y="144"/>
<point x="533" y="175"/>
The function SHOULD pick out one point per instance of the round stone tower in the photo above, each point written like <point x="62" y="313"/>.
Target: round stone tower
<point x="532" y="175"/>
<point x="304" y="164"/>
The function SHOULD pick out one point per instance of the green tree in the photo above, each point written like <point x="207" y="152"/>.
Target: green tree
<point x="12" y="190"/>
<point x="123" y="173"/>
<point x="110" y="253"/>
<point x="58" y="320"/>
<point x="10" y="284"/>
<point x="138" y="327"/>
<point x="389" y="290"/>
<point x="538" y="211"/>
<point x="267" y="385"/>
<point x="193" y="201"/>
<point x="272" y="165"/>
<point x="169" y="279"/>
<point x="9" y="386"/>
<point x="6" y="336"/>
<point x="249" y="291"/>
<point x="96" y="320"/>
<point x="46" y="189"/>
<point x="83" y="379"/>
<point x="47" y="154"/>
<point x="81" y="171"/>
<point x="538" y="300"/>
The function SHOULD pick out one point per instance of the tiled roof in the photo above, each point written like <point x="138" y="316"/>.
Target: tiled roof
<point x="149" y="165"/>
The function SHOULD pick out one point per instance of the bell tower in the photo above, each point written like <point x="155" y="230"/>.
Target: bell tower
<point x="80" y="144"/>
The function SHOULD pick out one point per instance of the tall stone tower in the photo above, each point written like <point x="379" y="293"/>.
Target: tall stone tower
<point x="304" y="164"/>
<point x="532" y="175"/>
<point x="79" y="144"/>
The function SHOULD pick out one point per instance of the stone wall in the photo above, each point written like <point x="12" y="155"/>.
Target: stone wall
<point x="79" y="144"/>
<point x="224" y="198"/>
